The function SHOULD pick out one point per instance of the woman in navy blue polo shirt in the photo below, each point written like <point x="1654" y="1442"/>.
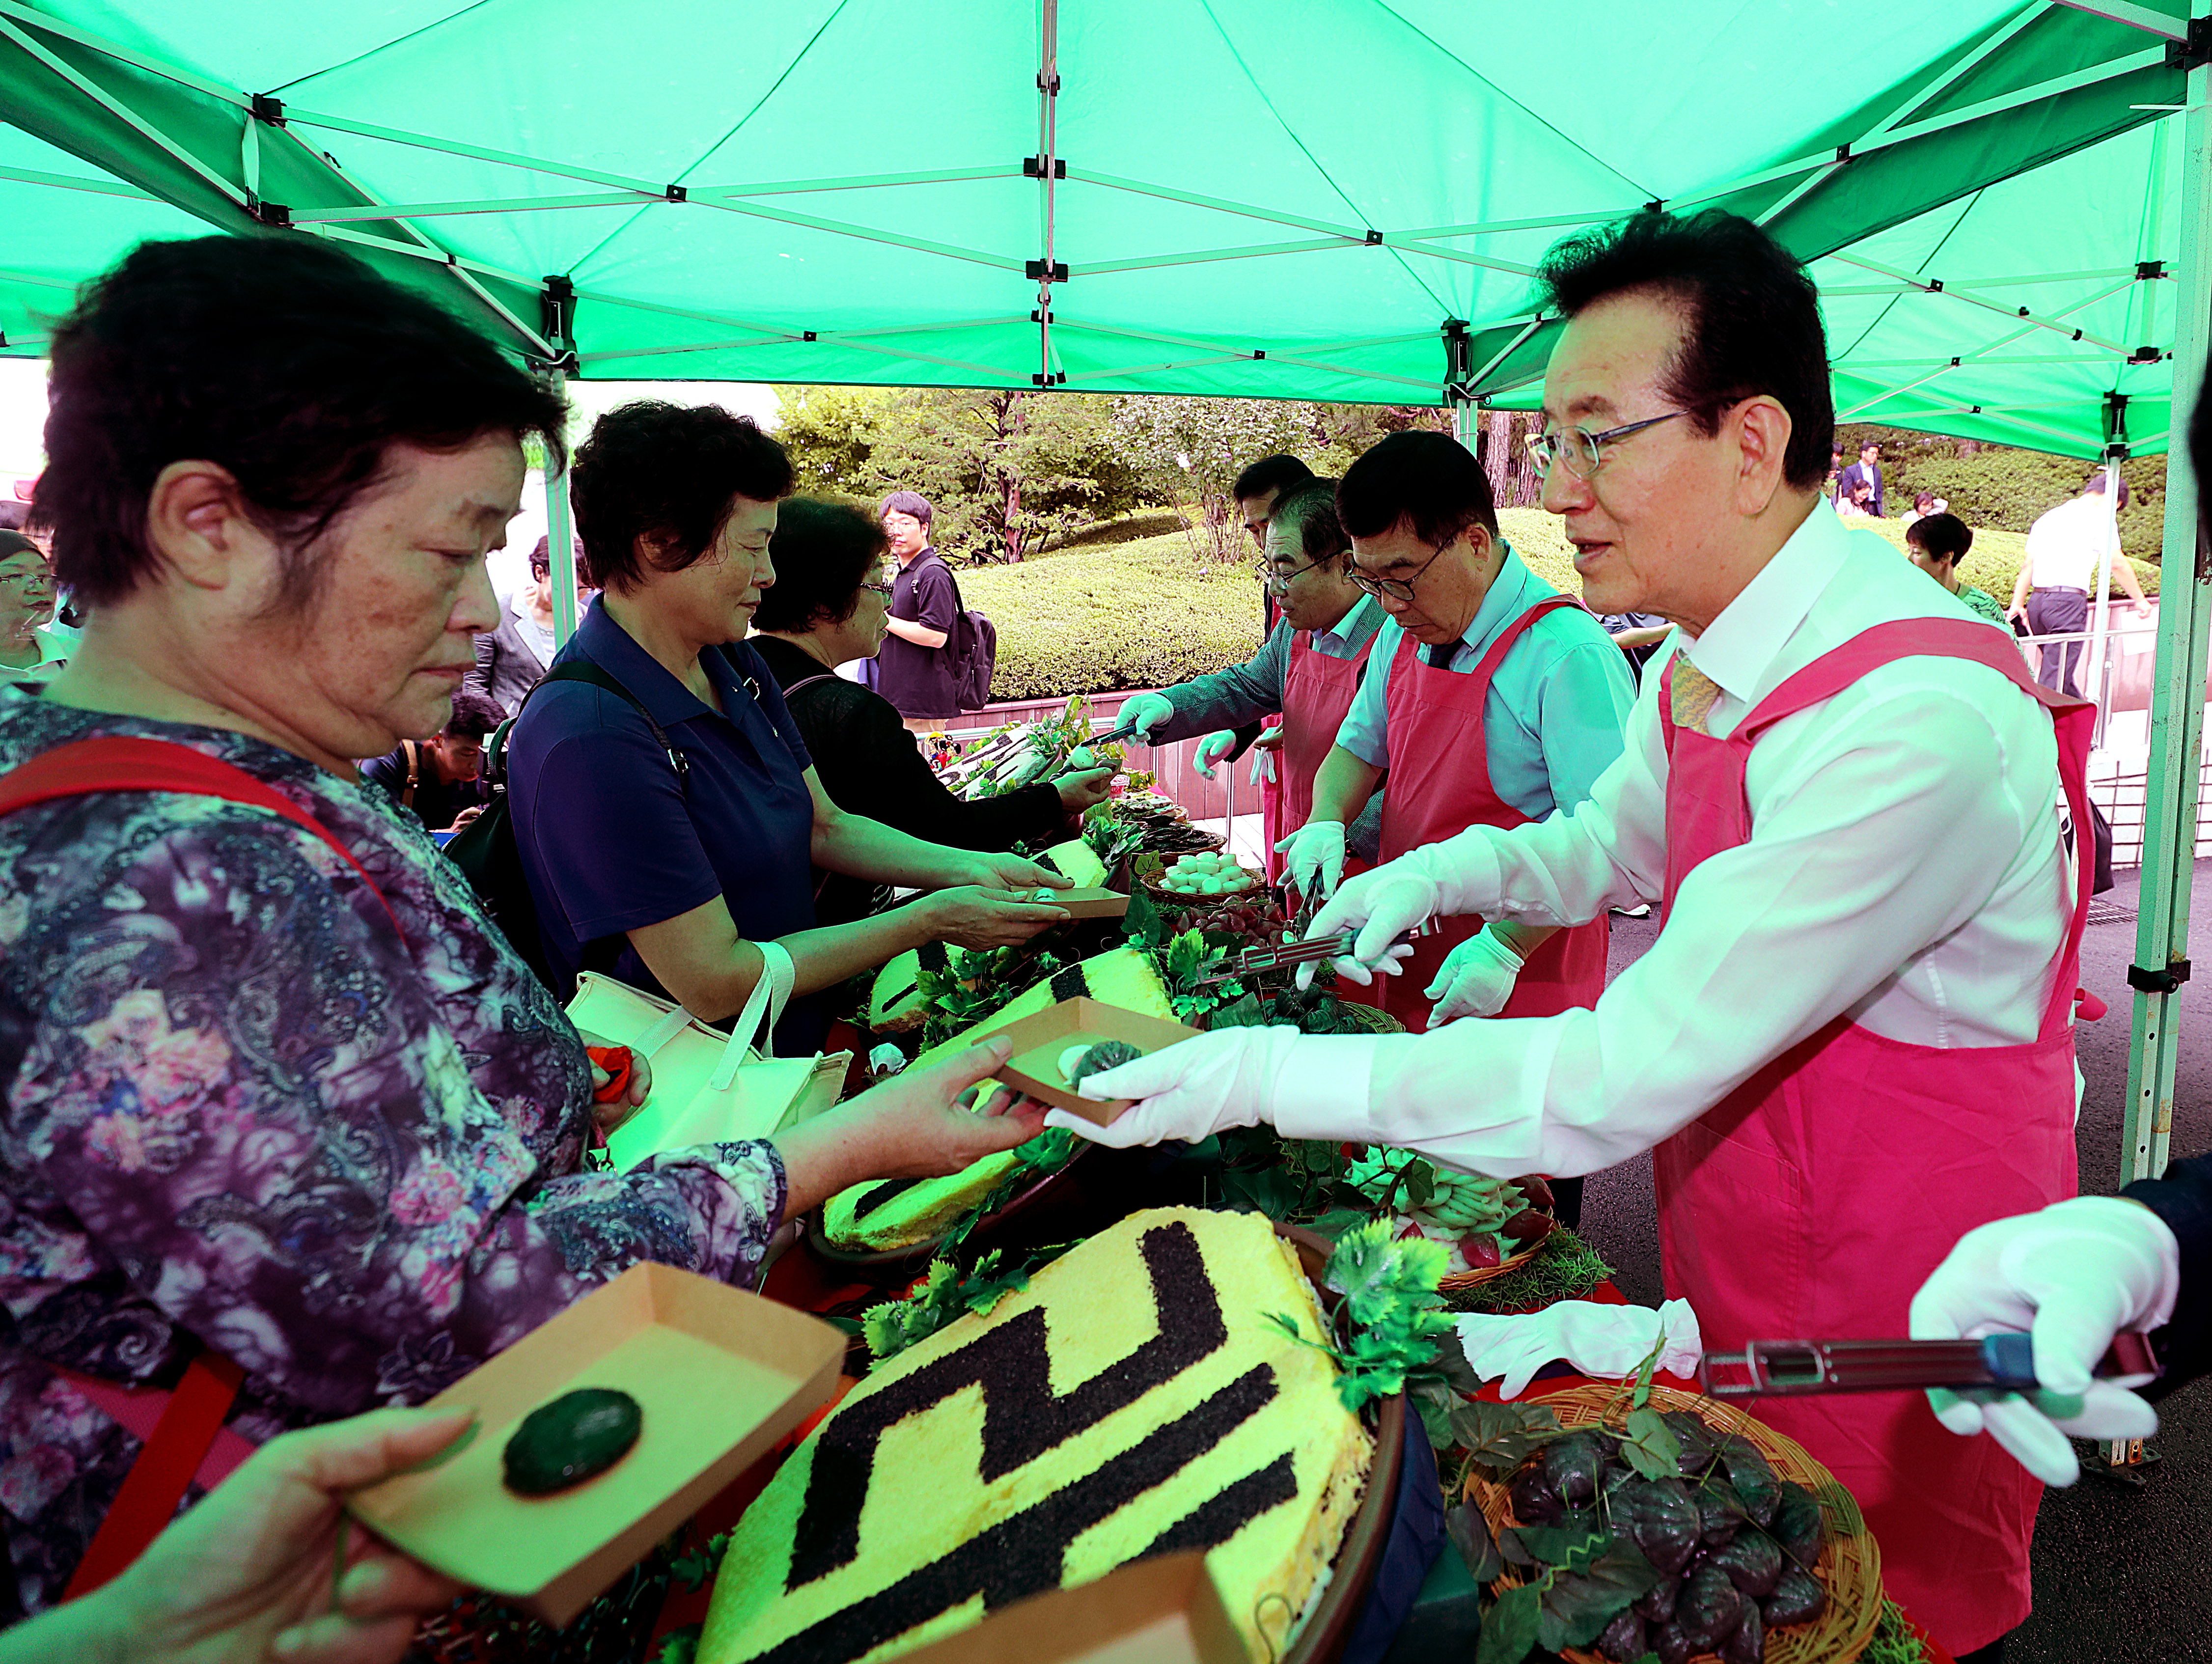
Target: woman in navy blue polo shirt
<point x="685" y="872"/>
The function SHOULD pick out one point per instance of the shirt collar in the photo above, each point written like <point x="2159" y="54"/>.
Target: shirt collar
<point x="1512" y="592"/>
<point x="611" y="647"/>
<point x="1740" y="646"/>
<point x="1346" y="630"/>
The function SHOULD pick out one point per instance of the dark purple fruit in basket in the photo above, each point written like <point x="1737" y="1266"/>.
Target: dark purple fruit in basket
<point x="1752" y="1562"/>
<point x="1671" y="1643"/>
<point x="1755" y="1483"/>
<point x="1797" y="1599"/>
<point x="1698" y="1454"/>
<point x="1528" y="1228"/>
<point x="1709" y="1608"/>
<point x="1660" y="1518"/>
<point x="1797" y="1525"/>
<point x="1536" y="1500"/>
<point x="1748" y="1645"/>
<point x="1535" y="1191"/>
<point x="1720" y="1513"/>
<point x="1574" y="1464"/>
<point x="1623" y="1640"/>
<point x="1657" y="1605"/>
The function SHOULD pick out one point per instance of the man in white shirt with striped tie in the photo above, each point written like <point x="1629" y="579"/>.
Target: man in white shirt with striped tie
<point x="1843" y="1052"/>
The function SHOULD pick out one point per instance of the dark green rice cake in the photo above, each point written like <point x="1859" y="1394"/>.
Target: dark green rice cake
<point x="577" y="1437"/>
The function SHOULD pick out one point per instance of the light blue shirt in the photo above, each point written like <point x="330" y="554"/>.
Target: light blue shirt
<point x="1557" y="707"/>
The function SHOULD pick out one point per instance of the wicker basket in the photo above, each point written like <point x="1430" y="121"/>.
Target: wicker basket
<point x="1453" y="1282"/>
<point x="1850" y="1566"/>
<point x="1148" y="871"/>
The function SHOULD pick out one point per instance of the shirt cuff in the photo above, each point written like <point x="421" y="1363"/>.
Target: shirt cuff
<point x="1321" y="1089"/>
<point x="1466" y="871"/>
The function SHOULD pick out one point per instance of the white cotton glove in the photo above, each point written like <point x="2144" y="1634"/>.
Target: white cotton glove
<point x="1381" y="905"/>
<point x="1263" y="757"/>
<point x="1314" y="855"/>
<point x="1475" y="980"/>
<point x="1189" y="1090"/>
<point x="1607" y="1343"/>
<point x="1210" y="751"/>
<point x="1144" y="714"/>
<point x="2073" y="1276"/>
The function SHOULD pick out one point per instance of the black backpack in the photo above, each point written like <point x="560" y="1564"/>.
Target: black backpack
<point x="486" y="852"/>
<point x="972" y="652"/>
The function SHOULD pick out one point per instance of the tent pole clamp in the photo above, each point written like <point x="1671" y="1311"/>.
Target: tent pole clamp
<point x="2168" y="981"/>
<point x="2194" y="51"/>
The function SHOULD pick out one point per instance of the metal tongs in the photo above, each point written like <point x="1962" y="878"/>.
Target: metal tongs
<point x="1999" y="1363"/>
<point x="1301" y="953"/>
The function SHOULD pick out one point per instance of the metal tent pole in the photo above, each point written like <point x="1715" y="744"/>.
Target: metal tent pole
<point x="560" y="544"/>
<point x="2178" y="694"/>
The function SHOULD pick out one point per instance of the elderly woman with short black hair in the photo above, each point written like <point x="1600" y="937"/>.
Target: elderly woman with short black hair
<point x="827" y="607"/>
<point x="274" y="1088"/>
<point x="671" y="823"/>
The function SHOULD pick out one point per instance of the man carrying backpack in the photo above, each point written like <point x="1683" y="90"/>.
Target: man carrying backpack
<point x="916" y="670"/>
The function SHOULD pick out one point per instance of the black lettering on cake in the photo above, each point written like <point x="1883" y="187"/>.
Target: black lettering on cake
<point x="1022" y="1417"/>
<point x="1069" y="984"/>
<point x="1026" y="1554"/>
<point x="876" y="1195"/>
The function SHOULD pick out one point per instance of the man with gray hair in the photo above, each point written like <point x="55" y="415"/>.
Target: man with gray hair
<point x="914" y="671"/>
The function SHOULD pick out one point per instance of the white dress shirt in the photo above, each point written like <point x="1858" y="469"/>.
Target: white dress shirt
<point x="2066" y="545"/>
<point x="1905" y="868"/>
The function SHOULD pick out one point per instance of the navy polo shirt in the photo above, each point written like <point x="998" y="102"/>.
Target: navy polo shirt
<point x="612" y="841"/>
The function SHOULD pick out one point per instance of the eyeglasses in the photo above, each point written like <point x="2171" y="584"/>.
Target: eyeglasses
<point x="1276" y="579"/>
<point x="1398" y="589"/>
<point x="884" y="590"/>
<point x="1581" y="450"/>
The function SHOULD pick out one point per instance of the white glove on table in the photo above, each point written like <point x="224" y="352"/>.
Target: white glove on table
<point x="1314" y="854"/>
<point x="1381" y="905"/>
<point x="1210" y="749"/>
<point x="1145" y="713"/>
<point x="1475" y="980"/>
<point x="1607" y="1343"/>
<point x="1263" y="757"/>
<point x="1189" y="1090"/>
<point x="2073" y="1276"/>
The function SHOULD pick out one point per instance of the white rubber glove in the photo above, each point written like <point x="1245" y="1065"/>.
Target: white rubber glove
<point x="1475" y="980"/>
<point x="2073" y="1276"/>
<point x="1210" y="751"/>
<point x="1607" y="1343"/>
<point x="1314" y="855"/>
<point x="1263" y="757"/>
<point x="1144" y="714"/>
<point x="1381" y="905"/>
<point x="1189" y="1090"/>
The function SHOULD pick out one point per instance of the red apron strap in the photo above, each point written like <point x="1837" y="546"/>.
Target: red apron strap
<point x="158" y="1480"/>
<point x="1488" y="668"/>
<point x="115" y="763"/>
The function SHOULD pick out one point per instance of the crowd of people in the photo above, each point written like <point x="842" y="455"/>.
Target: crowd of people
<point x="285" y="1109"/>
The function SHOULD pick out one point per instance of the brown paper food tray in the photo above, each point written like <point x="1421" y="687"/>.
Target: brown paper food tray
<point x="1092" y="902"/>
<point x="1157" y="1612"/>
<point x="721" y="1376"/>
<point x="1040" y="1039"/>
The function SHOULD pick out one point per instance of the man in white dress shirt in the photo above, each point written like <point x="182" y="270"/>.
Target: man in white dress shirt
<point x="2066" y="548"/>
<point x="1806" y="1040"/>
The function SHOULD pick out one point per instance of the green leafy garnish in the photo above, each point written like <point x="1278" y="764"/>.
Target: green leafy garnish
<point x="1650" y="1448"/>
<point x="943" y="1295"/>
<point x="1499" y="1437"/>
<point x="1394" y="1316"/>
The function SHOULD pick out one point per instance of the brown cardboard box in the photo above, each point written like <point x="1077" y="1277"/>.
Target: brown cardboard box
<point x="1155" y="1612"/>
<point x="1039" y="1041"/>
<point x="1095" y="902"/>
<point x="720" y="1375"/>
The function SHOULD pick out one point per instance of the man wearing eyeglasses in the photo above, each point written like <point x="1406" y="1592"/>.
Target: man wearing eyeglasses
<point x="1844" y="1055"/>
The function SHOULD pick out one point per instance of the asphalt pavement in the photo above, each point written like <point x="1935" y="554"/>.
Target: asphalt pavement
<point x="2123" y="1571"/>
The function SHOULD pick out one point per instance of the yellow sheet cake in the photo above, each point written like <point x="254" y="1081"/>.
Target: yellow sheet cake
<point x="1134" y="1401"/>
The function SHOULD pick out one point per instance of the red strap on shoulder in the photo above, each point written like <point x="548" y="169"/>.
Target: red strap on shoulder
<point x="1487" y="667"/>
<point x="157" y="1480"/>
<point x="115" y="763"/>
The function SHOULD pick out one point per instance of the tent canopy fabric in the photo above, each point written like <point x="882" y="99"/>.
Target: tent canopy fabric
<point x="1346" y="200"/>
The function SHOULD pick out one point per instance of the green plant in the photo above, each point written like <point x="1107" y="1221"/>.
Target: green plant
<point x="1392" y="1318"/>
<point x="943" y="1294"/>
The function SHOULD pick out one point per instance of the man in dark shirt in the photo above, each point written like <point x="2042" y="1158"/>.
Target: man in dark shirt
<point x="440" y="778"/>
<point x="914" y="670"/>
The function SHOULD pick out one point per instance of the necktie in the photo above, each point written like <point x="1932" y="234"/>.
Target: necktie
<point x="1437" y="655"/>
<point x="1693" y="693"/>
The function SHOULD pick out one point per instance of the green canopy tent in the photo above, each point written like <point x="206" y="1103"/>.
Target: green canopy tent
<point x="1338" y="201"/>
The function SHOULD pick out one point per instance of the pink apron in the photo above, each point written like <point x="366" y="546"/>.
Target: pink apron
<point x="1814" y="1200"/>
<point x="1317" y="694"/>
<point x="1439" y="786"/>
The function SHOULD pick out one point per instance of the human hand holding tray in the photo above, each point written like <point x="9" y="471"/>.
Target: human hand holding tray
<point x="720" y="1375"/>
<point x="1041" y="1040"/>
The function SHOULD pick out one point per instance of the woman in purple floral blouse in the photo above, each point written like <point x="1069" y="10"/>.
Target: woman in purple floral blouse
<point x="242" y="1110"/>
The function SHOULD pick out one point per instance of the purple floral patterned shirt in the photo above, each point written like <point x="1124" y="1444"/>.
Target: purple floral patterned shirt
<point x="240" y="1108"/>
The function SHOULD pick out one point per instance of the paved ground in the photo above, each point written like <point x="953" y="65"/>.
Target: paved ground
<point x="2121" y="1573"/>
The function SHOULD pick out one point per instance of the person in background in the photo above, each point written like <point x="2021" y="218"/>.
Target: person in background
<point x="1855" y="502"/>
<point x="1309" y="669"/>
<point x="1258" y="487"/>
<point x="440" y="779"/>
<point x="685" y="855"/>
<point x="32" y="647"/>
<point x="2078" y="1272"/>
<point x="1865" y="472"/>
<point x="300" y="1109"/>
<point x="1936" y="544"/>
<point x="827" y="607"/>
<point x="1833" y="488"/>
<point x="2066" y="548"/>
<point x="512" y="659"/>
<point x="1924" y="505"/>
<point x="1638" y="635"/>
<point x="911" y="668"/>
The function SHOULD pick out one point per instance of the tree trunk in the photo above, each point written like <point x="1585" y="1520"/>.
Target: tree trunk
<point x="1497" y="455"/>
